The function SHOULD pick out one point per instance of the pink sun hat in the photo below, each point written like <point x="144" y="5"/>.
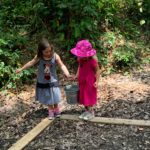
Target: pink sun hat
<point x="83" y="49"/>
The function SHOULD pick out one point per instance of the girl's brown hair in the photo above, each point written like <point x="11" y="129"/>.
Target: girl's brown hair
<point x="43" y="44"/>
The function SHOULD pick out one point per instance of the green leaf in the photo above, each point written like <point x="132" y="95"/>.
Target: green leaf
<point x="141" y="9"/>
<point x="62" y="5"/>
<point x="140" y="4"/>
<point x="77" y="32"/>
<point x="2" y="42"/>
<point x="142" y="22"/>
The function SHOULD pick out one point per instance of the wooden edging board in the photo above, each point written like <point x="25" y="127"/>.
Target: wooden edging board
<point x="25" y="140"/>
<point x="104" y="120"/>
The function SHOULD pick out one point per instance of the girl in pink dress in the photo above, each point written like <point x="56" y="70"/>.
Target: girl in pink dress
<point x="88" y="77"/>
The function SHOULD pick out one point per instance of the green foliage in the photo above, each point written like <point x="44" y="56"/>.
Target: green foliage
<point x="16" y="22"/>
<point x="124" y="57"/>
<point x="73" y="20"/>
<point x="9" y="61"/>
<point x="109" y="24"/>
<point x="120" y="53"/>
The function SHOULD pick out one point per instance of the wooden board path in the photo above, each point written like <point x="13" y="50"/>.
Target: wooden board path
<point x="25" y="140"/>
<point x="116" y="121"/>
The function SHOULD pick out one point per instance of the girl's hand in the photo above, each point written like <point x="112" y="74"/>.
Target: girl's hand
<point x="74" y="77"/>
<point x="71" y="77"/>
<point x="18" y="70"/>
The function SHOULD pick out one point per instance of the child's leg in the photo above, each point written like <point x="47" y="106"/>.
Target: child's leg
<point x="55" y="105"/>
<point x="57" y="112"/>
<point x="51" y="112"/>
<point x="50" y="107"/>
<point x="86" y="108"/>
<point x="89" y="108"/>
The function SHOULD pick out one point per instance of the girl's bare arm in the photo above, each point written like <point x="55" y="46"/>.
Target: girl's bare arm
<point x="97" y="74"/>
<point x="77" y="74"/>
<point x="28" y="64"/>
<point x="62" y="66"/>
<point x="97" y="71"/>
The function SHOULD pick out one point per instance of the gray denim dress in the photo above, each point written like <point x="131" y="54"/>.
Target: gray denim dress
<point x="47" y="89"/>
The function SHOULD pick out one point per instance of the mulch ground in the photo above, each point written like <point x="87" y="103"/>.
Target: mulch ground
<point x="119" y="97"/>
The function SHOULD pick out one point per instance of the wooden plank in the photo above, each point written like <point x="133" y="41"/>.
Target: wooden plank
<point x="116" y="121"/>
<point x="25" y="140"/>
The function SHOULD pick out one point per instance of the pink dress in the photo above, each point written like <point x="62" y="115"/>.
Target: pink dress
<point x="86" y="79"/>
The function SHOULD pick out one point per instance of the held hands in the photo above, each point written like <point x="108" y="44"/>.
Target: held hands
<point x="71" y="77"/>
<point x="74" y="77"/>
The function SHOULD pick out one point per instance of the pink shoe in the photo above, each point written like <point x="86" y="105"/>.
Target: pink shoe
<point x="50" y="114"/>
<point x="57" y="112"/>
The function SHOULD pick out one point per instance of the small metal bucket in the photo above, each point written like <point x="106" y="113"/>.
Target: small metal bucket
<point x="71" y="92"/>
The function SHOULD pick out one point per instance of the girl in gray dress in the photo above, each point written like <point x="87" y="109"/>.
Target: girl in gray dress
<point x="47" y="88"/>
